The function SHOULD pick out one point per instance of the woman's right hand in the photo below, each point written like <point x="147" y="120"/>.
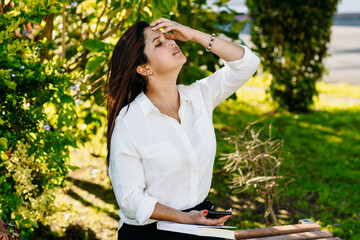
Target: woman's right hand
<point x="180" y="32"/>
<point x="199" y="217"/>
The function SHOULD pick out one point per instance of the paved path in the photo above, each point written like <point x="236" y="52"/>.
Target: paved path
<point x="343" y="64"/>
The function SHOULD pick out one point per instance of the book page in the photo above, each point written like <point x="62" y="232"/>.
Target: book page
<point x="200" y="230"/>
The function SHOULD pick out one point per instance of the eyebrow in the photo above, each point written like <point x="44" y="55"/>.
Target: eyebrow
<point x="155" y="39"/>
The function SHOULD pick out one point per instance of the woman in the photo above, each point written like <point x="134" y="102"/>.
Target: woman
<point x="161" y="139"/>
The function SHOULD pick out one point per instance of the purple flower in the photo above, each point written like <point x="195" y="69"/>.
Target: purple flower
<point x="13" y="75"/>
<point x="22" y="67"/>
<point x="47" y="127"/>
<point x="75" y="87"/>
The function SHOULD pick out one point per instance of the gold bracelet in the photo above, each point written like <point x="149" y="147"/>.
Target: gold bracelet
<point x="211" y="42"/>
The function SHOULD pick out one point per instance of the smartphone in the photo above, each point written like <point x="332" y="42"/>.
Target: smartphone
<point x="217" y="214"/>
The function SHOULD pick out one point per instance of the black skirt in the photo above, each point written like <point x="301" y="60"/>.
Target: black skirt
<point x="150" y="232"/>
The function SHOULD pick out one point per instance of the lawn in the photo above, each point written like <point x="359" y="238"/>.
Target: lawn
<point x="324" y="160"/>
<point x="323" y="167"/>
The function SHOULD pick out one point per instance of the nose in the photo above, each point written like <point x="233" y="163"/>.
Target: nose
<point x="171" y="42"/>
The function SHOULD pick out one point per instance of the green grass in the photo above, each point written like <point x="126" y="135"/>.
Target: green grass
<point x="323" y="164"/>
<point x="324" y="160"/>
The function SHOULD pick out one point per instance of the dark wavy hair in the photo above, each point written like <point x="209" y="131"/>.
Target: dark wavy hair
<point x="124" y="84"/>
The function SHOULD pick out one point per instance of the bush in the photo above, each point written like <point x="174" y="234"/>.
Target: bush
<point x="291" y="37"/>
<point x="37" y="117"/>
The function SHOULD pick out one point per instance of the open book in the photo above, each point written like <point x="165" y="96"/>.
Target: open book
<point x="200" y="230"/>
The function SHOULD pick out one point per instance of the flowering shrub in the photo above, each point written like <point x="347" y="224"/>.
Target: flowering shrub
<point x="37" y="116"/>
<point x="24" y="170"/>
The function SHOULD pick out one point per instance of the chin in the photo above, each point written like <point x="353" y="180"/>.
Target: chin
<point x="185" y="59"/>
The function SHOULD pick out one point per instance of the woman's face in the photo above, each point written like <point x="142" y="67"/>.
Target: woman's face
<point x="164" y="55"/>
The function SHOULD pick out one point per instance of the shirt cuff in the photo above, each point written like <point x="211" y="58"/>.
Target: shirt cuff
<point x="239" y="63"/>
<point x="145" y="209"/>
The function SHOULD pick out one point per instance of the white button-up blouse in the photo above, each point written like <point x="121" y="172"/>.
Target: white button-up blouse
<point x="154" y="158"/>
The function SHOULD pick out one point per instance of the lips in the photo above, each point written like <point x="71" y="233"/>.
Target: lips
<point x="176" y="51"/>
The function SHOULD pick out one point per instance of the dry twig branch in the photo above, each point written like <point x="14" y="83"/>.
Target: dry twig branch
<point x="256" y="163"/>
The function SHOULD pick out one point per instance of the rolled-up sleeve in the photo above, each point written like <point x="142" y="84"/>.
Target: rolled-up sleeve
<point x="225" y="81"/>
<point x="127" y="176"/>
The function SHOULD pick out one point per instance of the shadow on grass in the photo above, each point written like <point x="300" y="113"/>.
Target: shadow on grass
<point x="72" y="232"/>
<point x="86" y="203"/>
<point x="105" y="194"/>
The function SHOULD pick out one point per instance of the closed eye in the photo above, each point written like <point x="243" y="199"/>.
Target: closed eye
<point x="158" y="44"/>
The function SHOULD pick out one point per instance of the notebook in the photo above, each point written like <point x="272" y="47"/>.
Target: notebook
<point x="200" y="230"/>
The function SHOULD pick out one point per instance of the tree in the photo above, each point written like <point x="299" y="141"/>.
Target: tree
<point x="291" y="37"/>
<point x="53" y="62"/>
<point x="38" y="119"/>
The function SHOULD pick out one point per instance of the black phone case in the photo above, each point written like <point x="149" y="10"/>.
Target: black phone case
<point x="217" y="214"/>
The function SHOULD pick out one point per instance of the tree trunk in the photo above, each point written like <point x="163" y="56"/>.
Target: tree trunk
<point x="269" y="210"/>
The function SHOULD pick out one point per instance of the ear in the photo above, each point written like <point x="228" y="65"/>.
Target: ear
<point x="144" y="70"/>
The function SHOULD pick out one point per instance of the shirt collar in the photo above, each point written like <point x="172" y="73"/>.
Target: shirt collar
<point x="191" y="99"/>
<point x="183" y="97"/>
<point x="147" y="106"/>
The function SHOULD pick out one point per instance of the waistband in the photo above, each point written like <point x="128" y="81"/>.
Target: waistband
<point x="201" y="206"/>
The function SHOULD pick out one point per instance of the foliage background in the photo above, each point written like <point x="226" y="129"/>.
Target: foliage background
<point x="54" y="57"/>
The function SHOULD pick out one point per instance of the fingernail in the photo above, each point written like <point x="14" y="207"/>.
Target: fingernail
<point x="206" y="212"/>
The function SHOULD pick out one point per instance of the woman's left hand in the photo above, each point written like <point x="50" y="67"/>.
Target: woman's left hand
<point x="180" y="32"/>
<point x="199" y="217"/>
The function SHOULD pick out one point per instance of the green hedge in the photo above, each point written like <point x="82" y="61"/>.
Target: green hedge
<point x="291" y="37"/>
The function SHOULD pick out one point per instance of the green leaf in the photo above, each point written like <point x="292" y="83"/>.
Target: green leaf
<point x="73" y="167"/>
<point x="88" y="5"/>
<point x="66" y="99"/>
<point x="94" y="45"/>
<point x="93" y="63"/>
<point x="114" y="12"/>
<point x="169" y="5"/>
<point x="3" y="144"/>
<point x="71" y="51"/>
<point x="164" y="6"/>
<point x="237" y="26"/>
<point x="2" y="179"/>
<point x="12" y="85"/>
